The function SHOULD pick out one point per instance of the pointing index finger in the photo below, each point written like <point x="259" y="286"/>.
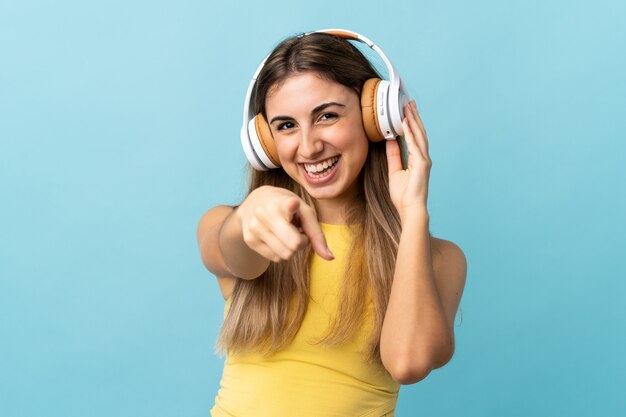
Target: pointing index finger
<point x="313" y="230"/>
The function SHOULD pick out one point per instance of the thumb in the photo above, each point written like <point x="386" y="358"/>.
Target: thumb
<point x="293" y="205"/>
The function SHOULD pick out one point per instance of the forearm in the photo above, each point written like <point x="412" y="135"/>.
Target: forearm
<point x="415" y="334"/>
<point x="239" y="259"/>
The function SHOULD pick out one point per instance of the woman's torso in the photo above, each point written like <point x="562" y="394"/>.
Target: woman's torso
<point x="307" y="379"/>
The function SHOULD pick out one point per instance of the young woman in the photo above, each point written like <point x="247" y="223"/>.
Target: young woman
<point x="336" y="293"/>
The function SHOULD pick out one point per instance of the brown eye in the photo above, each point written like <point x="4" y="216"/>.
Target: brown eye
<point x="286" y="125"/>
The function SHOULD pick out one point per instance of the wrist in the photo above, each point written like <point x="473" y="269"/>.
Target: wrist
<point x="415" y="216"/>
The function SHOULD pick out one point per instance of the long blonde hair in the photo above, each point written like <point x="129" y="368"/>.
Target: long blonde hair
<point x="266" y="313"/>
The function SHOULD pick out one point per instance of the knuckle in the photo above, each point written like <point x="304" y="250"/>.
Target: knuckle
<point x="249" y="239"/>
<point x="293" y="246"/>
<point x="259" y="212"/>
<point x="253" y="226"/>
<point x="267" y="254"/>
<point x="296" y="244"/>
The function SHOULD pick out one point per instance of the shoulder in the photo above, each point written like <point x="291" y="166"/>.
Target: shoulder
<point x="442" y="247"/>
<point x="449" y="261"/>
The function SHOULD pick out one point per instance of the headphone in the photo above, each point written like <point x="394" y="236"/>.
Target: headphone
<point x="382" y="102"/>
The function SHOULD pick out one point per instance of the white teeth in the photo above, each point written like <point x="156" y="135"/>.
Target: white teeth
<point x="314" y="168"/>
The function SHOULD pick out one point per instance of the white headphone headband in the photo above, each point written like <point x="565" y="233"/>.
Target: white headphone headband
<point x="391" y="123"/>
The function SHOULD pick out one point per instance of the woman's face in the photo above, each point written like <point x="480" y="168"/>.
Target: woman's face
<point x="318" y="130"/>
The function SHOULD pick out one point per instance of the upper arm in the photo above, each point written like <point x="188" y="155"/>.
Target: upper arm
<point x="450" y="270"/>
<point x="207" y="236"/>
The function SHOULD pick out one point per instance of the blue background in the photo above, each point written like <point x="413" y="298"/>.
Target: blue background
<point x="119" y="126"/>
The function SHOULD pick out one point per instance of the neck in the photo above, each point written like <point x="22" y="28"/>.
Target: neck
<point x="334" y="211"/>
<point x="331" y="211"/>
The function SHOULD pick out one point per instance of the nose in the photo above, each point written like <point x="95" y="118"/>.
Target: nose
<point x="311" y="144"/>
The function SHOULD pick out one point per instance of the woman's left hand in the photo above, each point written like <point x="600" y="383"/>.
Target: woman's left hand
<point x="409" y="187"/>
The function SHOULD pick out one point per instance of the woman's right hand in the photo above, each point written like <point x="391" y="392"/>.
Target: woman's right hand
<point x="276" y="223"/>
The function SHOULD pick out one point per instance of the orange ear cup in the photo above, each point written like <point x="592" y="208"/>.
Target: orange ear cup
<point x="368" y="109"/>
<point x="265" y="137"/>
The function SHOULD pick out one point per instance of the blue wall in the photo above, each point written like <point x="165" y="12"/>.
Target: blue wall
<point x="119" y="126"/>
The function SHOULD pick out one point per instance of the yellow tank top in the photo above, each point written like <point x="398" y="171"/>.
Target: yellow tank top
<point x="308" y="380"/>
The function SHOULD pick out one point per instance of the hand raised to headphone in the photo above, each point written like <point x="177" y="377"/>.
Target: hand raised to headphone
<point x="409" y="187"/>
<point x="276" y="223"/>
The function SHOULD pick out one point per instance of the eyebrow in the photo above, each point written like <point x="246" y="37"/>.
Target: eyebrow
<point x="315" y="110"/>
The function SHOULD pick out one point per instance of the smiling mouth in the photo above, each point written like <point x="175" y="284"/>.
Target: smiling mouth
<point x="323" y="172"/>
<point x="319" y="169"/>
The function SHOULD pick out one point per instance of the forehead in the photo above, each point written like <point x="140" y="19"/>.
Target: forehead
<point x="305" y="91"/>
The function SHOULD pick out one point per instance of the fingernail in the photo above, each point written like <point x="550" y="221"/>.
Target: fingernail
<point x="329" y="253"/>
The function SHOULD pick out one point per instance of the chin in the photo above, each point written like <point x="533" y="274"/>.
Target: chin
<point x="330" y="192"/>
